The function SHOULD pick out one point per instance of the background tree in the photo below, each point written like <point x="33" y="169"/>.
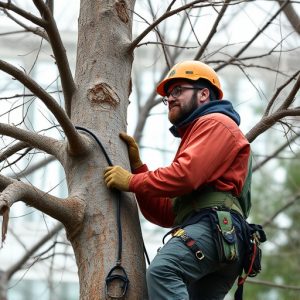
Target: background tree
<point x="97" y="98"/>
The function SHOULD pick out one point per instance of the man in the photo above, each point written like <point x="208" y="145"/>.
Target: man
<point x="198" y="193"/>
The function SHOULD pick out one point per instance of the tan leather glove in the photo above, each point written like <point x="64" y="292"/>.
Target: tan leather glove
<point x="133" y="150"/>
<point x="117" y="177"/>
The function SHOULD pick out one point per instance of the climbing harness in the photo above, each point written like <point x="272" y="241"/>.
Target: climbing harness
<point x="118" y="267"/>
<point x="189" y="242"/>
<point x="225" y="238"/>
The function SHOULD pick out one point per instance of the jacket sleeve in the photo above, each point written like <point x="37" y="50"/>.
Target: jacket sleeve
<point x="207" y="154"/>
<point x="155" y="209"/>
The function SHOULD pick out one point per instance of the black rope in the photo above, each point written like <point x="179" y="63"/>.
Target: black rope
<point x="110" y="276"/>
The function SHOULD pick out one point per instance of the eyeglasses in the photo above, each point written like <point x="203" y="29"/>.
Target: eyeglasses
<point x="176" y="92"/>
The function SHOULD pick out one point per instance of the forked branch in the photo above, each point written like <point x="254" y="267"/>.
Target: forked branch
<point x="62" y="210"/>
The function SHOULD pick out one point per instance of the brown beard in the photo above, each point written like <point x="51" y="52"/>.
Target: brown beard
<point x="185" y="111"/>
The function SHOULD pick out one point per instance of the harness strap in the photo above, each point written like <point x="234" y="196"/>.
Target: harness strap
<point x="199" y="200"/>
<point x="189" y="242"/>
<point x="218" y="199"/>
<point x="238" y="295"/>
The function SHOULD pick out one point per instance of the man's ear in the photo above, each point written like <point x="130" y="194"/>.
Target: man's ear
<point x="203" y="95"/>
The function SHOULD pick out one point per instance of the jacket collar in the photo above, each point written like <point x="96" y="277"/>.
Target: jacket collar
<point x="217" y="106"/>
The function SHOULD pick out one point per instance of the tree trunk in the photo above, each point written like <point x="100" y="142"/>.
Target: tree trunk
<point x="103" y="82"/>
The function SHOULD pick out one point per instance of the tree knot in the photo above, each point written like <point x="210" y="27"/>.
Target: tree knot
<point x="122" y="11"/>
<point x="102" y="93"/>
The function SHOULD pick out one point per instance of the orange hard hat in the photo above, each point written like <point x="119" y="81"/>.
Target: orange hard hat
<point x="191" y="70"/>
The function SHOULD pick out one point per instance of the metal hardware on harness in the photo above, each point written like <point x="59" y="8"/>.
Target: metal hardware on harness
<point x="189" y="242"/>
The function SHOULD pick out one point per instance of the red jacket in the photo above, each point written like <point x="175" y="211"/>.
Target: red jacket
<point x="212" y="151"/>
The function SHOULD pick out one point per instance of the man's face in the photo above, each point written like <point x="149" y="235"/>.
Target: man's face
<point x="181" y="106"/>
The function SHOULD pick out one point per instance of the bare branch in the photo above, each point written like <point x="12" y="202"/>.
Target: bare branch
<point x="163" y="45"/>
<point x="17" y="265"/>
<point x="69" y="211"/>
<point x="23" y="13"/>
<point x="192" y="28"/>
<point x="160" y="37"/>
<point x="44" y="143"/>
<point x="11" y="163"/>
<point x="50" y="4"/>
<point x="12" y="150"/>
<point x="283" y="111"/>
<point x="8" y="196"/>
<point x="166" y="45"/>
<point x="76" y="143"/>
<point x="67" y="81"/>
<point x="268" y="121"/>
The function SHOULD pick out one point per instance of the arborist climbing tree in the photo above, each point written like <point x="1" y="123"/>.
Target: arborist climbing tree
<point x="203" y="195"/>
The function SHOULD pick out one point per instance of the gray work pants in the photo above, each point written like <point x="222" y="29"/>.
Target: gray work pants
<point x="176" y="274"/>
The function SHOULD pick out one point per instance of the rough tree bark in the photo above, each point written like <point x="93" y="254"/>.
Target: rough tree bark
<point x="103" y="85"/>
